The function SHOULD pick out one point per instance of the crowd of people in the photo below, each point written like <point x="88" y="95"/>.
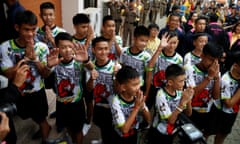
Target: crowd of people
<point x="190" y="66"/>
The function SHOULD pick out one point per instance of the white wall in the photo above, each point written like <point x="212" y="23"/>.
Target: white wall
<point x="69" y="9"/>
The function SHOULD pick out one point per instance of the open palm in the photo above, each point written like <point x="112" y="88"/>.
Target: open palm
<point x="53" y="58"/>
<point x="80" y="52"/>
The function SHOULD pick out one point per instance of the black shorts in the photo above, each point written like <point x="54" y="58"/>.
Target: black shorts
<point x="155" y="137"/>
<point x="33" y="106"/>
<point x="226" y="122"/>
<point x="71" y="115"/>
<point x="206" y="122"/>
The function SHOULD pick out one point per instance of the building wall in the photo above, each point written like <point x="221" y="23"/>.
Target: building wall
<point x="34" y="5"/>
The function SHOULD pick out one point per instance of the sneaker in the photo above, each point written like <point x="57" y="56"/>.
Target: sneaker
<point x="53" y="115"/>
<point x="86" y="128"/>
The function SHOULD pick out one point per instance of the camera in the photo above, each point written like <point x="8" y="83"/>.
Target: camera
<point x="9" y="108"/>
<point x="187" y="132"/>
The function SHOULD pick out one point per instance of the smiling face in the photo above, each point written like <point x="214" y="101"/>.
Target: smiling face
<point x="131" y="87"/>
<point x="82" y="29"/>
<point x="48" y="17"/>
<point x="109" y="28"/>
<point x="101" y="51"/>
<point x="172" y="45"/>
<point x="66" y="50"/>
<point x="177" y="83"/>
<point x="26" y="32"/>
<point x="140" y="42"/>
<point x="200" y="42"/>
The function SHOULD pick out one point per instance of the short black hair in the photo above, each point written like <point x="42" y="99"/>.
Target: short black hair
<point x="107" y="18"/>
<point x="47" y="5"/>
<point x="213" y="49"/>
<point x="153" y="25"/>
<point x="213" y="17"/>
<point x="172" y="34"/>
<point x="80" y="18"/>
<point x="173" y="71"/>
<point x="25" y="17"/>
<point x="175" y="7"/>
<point x="202" y="17"/>
<point x="141" y="31"/>
<point x="98" y="39"/>
<point x="196" y="35"/>
<point x="63" y="36"/>
<point x="126" y="73"/>
<point x="176" y="15"/>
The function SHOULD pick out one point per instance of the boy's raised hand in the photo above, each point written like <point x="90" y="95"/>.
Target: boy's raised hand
<point x="139" y="99"/>
<point x="80" y="52"/>
<point x="53" y="58"/>
<point x="213" y="70"/>
<point x="164" y="42"/>
<point x="187" y="96"/>
<point x="29" y="51"/>
<point x="48" y="34"/>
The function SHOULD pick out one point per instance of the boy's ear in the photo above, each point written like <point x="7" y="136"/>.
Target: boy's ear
<point x="17" y="27"/>
<point x="169" y="82"/>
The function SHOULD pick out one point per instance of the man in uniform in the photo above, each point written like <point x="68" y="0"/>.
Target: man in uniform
<point x="163" y="6"/>
<point x="155" y="10"/>
<point x="146" y="10"/>
<point x="115" y="10"/>
<point x="129" y="23"/>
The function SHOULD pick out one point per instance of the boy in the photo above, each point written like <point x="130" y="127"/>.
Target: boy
<point x="127" y="105"/>
<point x="83" y="31"/>
<point x="34" y="102"/>
<point x="171" y="100"/>
<point x="193" y="57"/>
<point x="230" y="100"/>
<point x="204" y="78"/>
<point x="153" y="41"/>
<point x="162" y="58"/>
<point x="115" y="41"/>
<point x="70" y="110"/>
<point x="135" y="56"/>
<point x="84" y="35"/>
<point x="102" y="88"/>
<point x="49" y="30"/>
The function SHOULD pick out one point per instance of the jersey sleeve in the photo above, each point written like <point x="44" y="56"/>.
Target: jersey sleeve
<point x="117" y="114"/>
<point x="162" y="106"/>
<point x="225" y="88"/>
<point x="5" y="61"/>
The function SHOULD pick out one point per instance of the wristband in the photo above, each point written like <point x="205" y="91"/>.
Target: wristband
<point x="86" y="61"/>
<point x="148" y="69"/>
<point x="209" y="78"/>
<point x="179" y="109"/>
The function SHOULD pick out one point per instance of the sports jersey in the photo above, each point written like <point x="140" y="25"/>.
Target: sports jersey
<point x="113" y="52"/>
<point x="103" y="85"/>
<point x="41" y="35"/>
<point x="69" y="81"/>
<point x="203" y="101"/>
<point x="162" y="63"/>
<point x="165" y="105"/>
<point x="229" y="86"/>
<point x="121" y="110"/>
<point x="191" y="59"/>
<point x="138" y="61"/>
<point x="11" y="54"/>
